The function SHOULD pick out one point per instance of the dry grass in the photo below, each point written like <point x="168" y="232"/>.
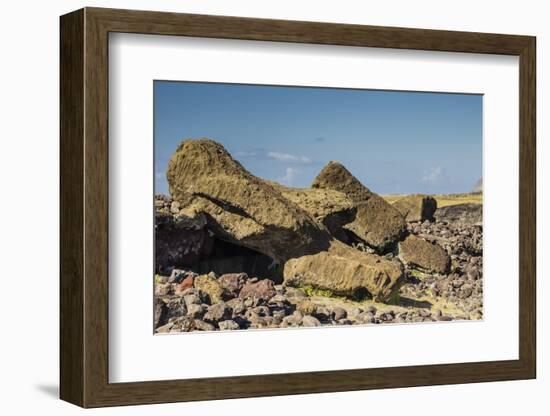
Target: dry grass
<point x="446" y="200"/>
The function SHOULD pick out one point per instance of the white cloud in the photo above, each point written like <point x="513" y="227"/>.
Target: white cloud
<point x="434" y="175"/>
<point x="286" y="157"/>
<point x="290" y="174"/>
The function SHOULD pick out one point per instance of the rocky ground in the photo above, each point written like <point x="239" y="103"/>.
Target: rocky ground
<point x="236" y="251"/>
<point x="186" y="301"/>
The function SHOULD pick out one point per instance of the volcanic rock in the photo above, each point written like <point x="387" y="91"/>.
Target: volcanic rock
<point x="345" y="271"/>
<point x="232" y="283"/>
<point x="218" y="312"/>
<point x="260" y="291"/>
<point x="240" y="207"/>
<point x="331" y="209"/>
<point x="416" y="207"/>
<point x="376" y="222"/>
<point x="417" y="252"/>
<point x="466" y="213"/>
<point x="248" y="211"/>
<point x="209" y="285"/>
<point x="228" y="325"/>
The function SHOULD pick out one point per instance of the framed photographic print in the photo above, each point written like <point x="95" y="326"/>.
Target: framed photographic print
<point x="255" y="207"/>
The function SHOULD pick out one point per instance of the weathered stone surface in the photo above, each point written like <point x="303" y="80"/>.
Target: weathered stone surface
<point x="228" y="325"/>
<point x="293" y="320"/>
<point x="306" y="307"/>
<point x="232" y="283"/>
<point x="175" y="308"/>
<point x="218" y="312"/>
<point x="196" y="311"/>
<point x="248" y="211"/>
<point x="463" y="213"/>
<point x="416" y="207"/>
<point x="209" y="285"/>
<point x="309" y="320"/>
<point x="237" y="305"/>
<point x="240" y="207"/>
<point x="262" y="290"/>
<point x="339" y="313"/>
<point x="331" y="209"/>
<point x="163" y="289"/>
<point x="203" y="326"/>
<point x="191" y="299"/>
<point x="418" y="252"/>
<point x="164" y="329"/>
<point x="376" y="222"/>
<point x="345" y="271"/>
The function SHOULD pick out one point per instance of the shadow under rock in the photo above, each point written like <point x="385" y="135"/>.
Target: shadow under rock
<point x="403" y="301"/>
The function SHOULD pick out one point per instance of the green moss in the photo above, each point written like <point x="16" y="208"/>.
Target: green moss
<point x="311" y="291"/>
<point x="417" y="273"/>
<point x="157" y="278"/>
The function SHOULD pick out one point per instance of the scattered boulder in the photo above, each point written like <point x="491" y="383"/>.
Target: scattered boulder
<point x="208" y="284"/>
<point x="177" y="276"/>
<point x="163" y="289"/>
<point x="346" y="271"/>
<point x="417" y="252"/>
<point x="164" y="329"/>
<point x="196" y="311"/>
<point x="465" y="213"/>
<point x="306" y="307"/>
<point x="191" y="298"/>
<point x="175" y="307"/>
<point x="416" y="207"/>
<point x="309" y="320"/>
<point x="185" y="284"/>
<point x="237" y="305"/>
<point x="228" y="325"/>
<point x="293" y="320"/>
<point x="232" y="283"/>
<point x="260" y="291"/>
<point x="218" y="312"/>
<point x="203" y="326"/>
<point x="339" y="313"/>
<point x="376" y="222"/>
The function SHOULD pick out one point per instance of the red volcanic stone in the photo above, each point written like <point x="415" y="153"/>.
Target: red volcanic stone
<point x="262" y="290"/>
<point x="185" y="284"/>
<point x="232" y="283"/>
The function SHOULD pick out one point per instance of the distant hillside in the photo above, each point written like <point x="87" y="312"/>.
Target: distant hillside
<point x="478" y="187"/>
<point x="446" y="199"/>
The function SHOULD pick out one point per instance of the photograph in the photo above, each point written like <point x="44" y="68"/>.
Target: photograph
<point x="281" y="206"/>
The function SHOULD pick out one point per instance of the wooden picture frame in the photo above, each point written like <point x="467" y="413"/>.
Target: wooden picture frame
<point x="84" y="207"/>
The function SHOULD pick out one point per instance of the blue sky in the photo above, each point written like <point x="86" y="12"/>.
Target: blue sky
<point x="394" y="142"/>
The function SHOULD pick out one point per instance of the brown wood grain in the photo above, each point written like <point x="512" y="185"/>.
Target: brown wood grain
<point x="71" y="208"/>
<point x="84" y="207"/>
